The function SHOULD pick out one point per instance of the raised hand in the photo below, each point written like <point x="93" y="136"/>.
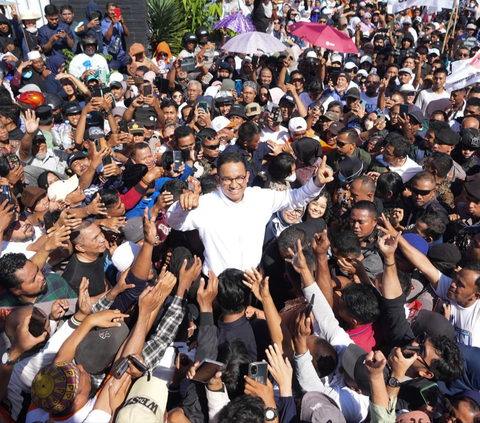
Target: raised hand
<point x="31" y="122"/>
<point x="281" y="369"/>
<point x="375" y="362"/>
<point x="297" y="259"/>
<point x="190" y="200"/>
<point x="85" y="303"/>
<point x="187" y="277"/>
<point x="57" y="238"/>
<point x="320" y="244"/>
<point x="324" y="173"/>
<point x="106" y="318"/>
<point x="97" y="207"/>
<point x="388" y="245"/>
<point x="206" y="295"/>
<point x="257" y="283"/>
<point x="59" y="308"/>
<point x="149" y="228"/>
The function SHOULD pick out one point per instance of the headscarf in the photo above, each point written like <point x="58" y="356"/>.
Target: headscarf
<point x="164" y="48"/>
<point x="315" y="14"/>
<point x="54" y="62"/>
<point x="277" y="225"/>
<point x="367" y="26"/>
<point x="353" y="23"/>
<point x="307" y="149"/>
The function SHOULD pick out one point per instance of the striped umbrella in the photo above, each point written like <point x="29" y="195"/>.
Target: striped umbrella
<point x="236" y="22"/>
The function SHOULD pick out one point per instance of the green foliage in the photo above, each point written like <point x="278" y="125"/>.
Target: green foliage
<point x="166" y="22"/>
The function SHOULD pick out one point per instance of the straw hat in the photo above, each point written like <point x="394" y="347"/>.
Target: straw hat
<point x="29" y="15"/>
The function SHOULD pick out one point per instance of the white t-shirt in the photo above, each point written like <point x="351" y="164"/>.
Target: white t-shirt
<point x="466" y="321"/>
<point x="429" y="102"/>
<point x="277" y="137"/>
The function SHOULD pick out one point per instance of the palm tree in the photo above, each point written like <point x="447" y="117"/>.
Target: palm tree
<point x="166" y="22"/>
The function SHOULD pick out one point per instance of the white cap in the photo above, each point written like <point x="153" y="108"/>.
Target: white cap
<point x="407" y="88"/>
<point x="221" y="122"/>
<point x="350" y="65"/>
<point x="149" y="76"/>
<point x="32" y="55"/>
<point x="366" y="59"/>
<point x="115" y="77"/>
<point x="406" y="70"/>
<point x="30" y="87"/>
<point x="297" y="124"/>
<point x="124" y="256"/>
<point x="61" y="189"/>
<point x="336" y="58"/>
<point x="311" y="54"/>
<point x="434" y="51"/>
<point x="146" y="402"/>
<point x="363" y="72"/>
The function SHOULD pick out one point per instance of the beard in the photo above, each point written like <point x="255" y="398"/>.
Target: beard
<point x="41" y="156"/>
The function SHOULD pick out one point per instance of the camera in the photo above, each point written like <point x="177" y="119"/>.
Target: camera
<point x="253" y="370"/>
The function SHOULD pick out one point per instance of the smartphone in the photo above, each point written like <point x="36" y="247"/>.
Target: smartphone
<point x="438" y="307"/>
<point x="203" y="105"/>
<point x="403" y="109"/>
<point x="255" y="61"/>
<point x="107" y="160"/>
<point x="118" y="12"/>
<point x="334" y="77"/>
<point x="258" y="371"/>
<point x="308" y="309"/>
<point x="59" y="30"/>
<point x="6" y="193"/>
<point x="177" y="160"/>
<point x="188" y="64"/>
<point x="161" y="84"/>
<point x="147" y="89"/>
<point x="13" y="161"/>
<point x="430" y="394"/>
<point x="96" y="91"/>
<point x="276" y="115"/>
<point x="207" y="369"/>
<point x="380" y="118"/>
<point x="105" y="89"/>
<point x="207" y="78"/>
<point x="37" y="323"/>
<point x="122" y="366"/>
<point x="123" y="125"/>
<point x="95" y="15"/>
<point x="262" y="119"/>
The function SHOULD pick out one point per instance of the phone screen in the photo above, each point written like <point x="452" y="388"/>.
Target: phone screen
<point x="177" y="160"/>
<point x="207" y="370"/>
<point x="118" y="12"/>
<point x="403" y="109"/>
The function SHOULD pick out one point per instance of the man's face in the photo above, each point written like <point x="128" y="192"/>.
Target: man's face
<point x="186" y="143"/>
<point x="442" y="148"/>
<point x="429" y="139"/>
<point x="362" y="223"/>
<point x="287" y="110"/>
<point x="471" y="110"/>
<point x="439" y="80"/>
<point x="372" y="84"/>
<point x="473" y="206"/>
<point x="404" y="78"/>
<point x="462" y="54"/>
<point x="73" y="119"/>
<point x="409" y="63"/>
<point x="409" y="97"/>
<point x="111" y="11"/>
<point x="80" y="166"/>
<point x="266" y="76"/>
<point x="224" y="109"/>
<point x="76" y="197"/>
<point x="392" y="73"/>
<point x="211" y="148"/>
<point x="463" y="288"/>
<point x="138" y="137"/>
<point x="192" y="92"/>
<point x="233" y="179"/>
<point x="67" y="16"/>
<point x="38" y="65"/>
<point x="252" y="145"/>
<point x="456" y="98"/>
<point x="39" y="149"/>
<point x="117" y="92"/>
<point x="33" y="281"/>
<point x="92" y="241"/>
<point x="20" y="231"/>
<point x="390" y="158"/>
<point x="344" y="146"/>
<point x="248" y="94"/>
<point x="144" y="156"/>
<point x="170" y="114"/>
<point x="117" y="209"/>
<point x="423" y="190"/>
<point x="325" y="123"/>
<point x="52" y="20"/>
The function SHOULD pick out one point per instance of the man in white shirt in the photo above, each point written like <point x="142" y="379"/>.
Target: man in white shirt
<point x="395" y="156"/>
<point x="86" y="63"/>
<point x="435" y="98"/>
<point x="231" y="221"/>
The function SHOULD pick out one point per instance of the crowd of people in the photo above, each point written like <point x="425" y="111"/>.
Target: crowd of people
<point x="231" y="237"/>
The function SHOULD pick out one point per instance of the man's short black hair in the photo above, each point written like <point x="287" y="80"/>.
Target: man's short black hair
<point x="209" y="184"/>
<point x="183" y="132"/>
<point x="435" y="225"/>
<point x="324" y="357"/>
<point x="438" y="125"/>
<point x="368" y="206"/>
<point x="400" y="146"/>
<point x="280" y="167"/>
<point x="247" y="131"/>
<point x="473" y="101"/>
<point x="450" y="365"/>
<point x="423" y="176"/>
<point x="442" y="163"/>
<point x="233" y="295"/>
<point x="206" y="134"/>
<point x="109" y="197"/>
<point x="390" y="181"/>
<point x="66" y="7"/>
<point x="51" y="10"/>
<point x="11" y="111"/>
<point x="361" y="302"/>
<point x="405" y="282"/>
<point x="441" y="70"/>
<point x="139" y="146"/>
<point x="289" y="237"/>
<point x="347" y="243"/>
<point x="9" y="264"/>
<point x="225" y="158"/>
<point x="350" y="133"/>
<point x="169" y="103"/>
<point x="175" y="187"/>
<point x="244" y="409"/>
<point x="475" y="266"/>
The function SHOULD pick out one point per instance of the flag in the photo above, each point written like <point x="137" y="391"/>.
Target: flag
<point x="395" y="6"/>
<point x="464" y="73"/>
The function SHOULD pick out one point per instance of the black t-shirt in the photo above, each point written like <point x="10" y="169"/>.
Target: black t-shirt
<point x="94" y="272"/>
<point x="15" y="134"/>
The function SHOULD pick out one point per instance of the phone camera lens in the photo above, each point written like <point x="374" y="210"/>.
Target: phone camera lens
<point x="253" y="370"/>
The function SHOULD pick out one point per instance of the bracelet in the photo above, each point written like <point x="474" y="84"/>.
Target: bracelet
<point x="145" y="182"/>
<point x="390" y="264"/>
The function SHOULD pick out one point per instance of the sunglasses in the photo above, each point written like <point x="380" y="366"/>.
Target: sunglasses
<point x="421" y="339"/>
<point x="212" y="147"/>
<point x="162" y="55"/>
<point x="342" y="144"/>
<point x="422" y="192"/>
<point x="463" y="55"/>
<point x="178" y="96"/>
<point x="297" y="80"/>
<point x="18" y="222"/>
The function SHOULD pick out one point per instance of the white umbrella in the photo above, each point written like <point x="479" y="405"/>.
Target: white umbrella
<point x="254" y="43"/>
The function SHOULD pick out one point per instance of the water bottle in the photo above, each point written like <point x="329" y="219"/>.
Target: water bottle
<point x="66" y="136"/>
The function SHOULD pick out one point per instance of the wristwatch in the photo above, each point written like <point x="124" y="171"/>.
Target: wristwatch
<point x="394" y="382"/>
<point x="6" y="359"/>
<point x="270" y="414"/>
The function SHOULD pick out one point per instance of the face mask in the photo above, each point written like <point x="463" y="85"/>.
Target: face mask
<point x="291" y="178"/>
<point x="32" y="30"/>
<point x="27" y="75"/>
<point x="58" y="118"/>
<point x="368" y="125"/>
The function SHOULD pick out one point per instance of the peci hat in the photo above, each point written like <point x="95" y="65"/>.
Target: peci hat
<point x="131" y="176"/>
<point x="61" y="189"/>
<point x="472" y="189"/>
<point x="447" y="137"/>
<point x="55" y="386"/>
<point x="146" y="402"/>
<point x="351" y="168"/>
<point x="31" y="195"/>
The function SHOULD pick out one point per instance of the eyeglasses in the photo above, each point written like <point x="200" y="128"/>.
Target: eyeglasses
<point x="421" y="192"/>
<point x="296" y="212"/>
<point x="276" y="23"/>
<point x="421" y="339"/>
<point x="161" y="54"/>
<point x="18" y="222"/>
<point x="212" y="147"/>
<point x="239" y="180"/>
<point x="177" y="96"/>
<point x="342" y="144"/>
<point x="463" y="55"/>
<point x="300" y="80"/>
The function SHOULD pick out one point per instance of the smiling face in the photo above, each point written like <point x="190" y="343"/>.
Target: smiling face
<point x="317" y="208"/>
<point x="233" y="179"/>
<point x="80" y="166"/>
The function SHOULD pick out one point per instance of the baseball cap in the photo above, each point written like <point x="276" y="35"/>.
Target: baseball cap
<point x="350" y="65"/>
<point x="31" y="195"/>
<point x="61" y="189"/>
<point x="76" y="155"/>
<point x="287" y="99"/>
<point x="146" y="115"/>
<point x="105" y="342"/>
<point x="336" y="127"/>
<point x="30" y="87"/>
<point x="335" y="57"/>
<point x="406" y="70"/>
<point x="133" y="229"/>
<point x="116" y="84"/>
<point x="55" y="386"/>
<point x="364" y="59"/>
<point x="253" y="109"/>
<point x="95" y="133"/>
<point x="363" y="73"/>
<point x="417" y="115"/>
<point x="434" y="51"/>
<point x="471" y="26"/>
<point x="237" y="110"/>
<point x="297" y="124"/>
<point x="227" y="85"/>
<point x="146" y="402"/>
<point x="320" y="408"/>
<point x="407" y="20"/>
<point x="332" y="116"/>
<point x="221" y="122"/>
<point x="407" y="88"/>
<point x="125" y="254"/>
<point x="432" y="323"/>
<point x="72" y="108"/>
<point x="353" y="93"/>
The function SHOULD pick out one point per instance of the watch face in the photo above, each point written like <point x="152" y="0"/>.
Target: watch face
<point x="5" y="358"/>
<point x="269" y="415"/>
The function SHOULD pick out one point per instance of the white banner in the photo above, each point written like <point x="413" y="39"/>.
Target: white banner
<point x="464" y="73"/>
<point x="395" y="6"/>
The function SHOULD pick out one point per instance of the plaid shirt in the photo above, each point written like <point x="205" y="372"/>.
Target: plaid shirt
<point x="154" y="349"/>
<point x="58" y="289"/>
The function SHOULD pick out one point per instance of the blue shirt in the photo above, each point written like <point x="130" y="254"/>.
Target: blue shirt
<point x="46" y="32"/>
<point x="117" y="32"/>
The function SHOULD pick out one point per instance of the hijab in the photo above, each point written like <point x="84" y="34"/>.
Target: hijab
<point x="54" y="62"/>
<point x="277" y="225"/>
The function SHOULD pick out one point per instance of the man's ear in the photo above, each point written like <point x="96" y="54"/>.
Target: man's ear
<point x="427" y="374"/>
<point x="79" y="248"/>
<point x="15" y="291"/>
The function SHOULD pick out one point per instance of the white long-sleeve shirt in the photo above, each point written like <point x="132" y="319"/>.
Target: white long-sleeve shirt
<point x="354" y="406"/>
<point x="233" y="233"/>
